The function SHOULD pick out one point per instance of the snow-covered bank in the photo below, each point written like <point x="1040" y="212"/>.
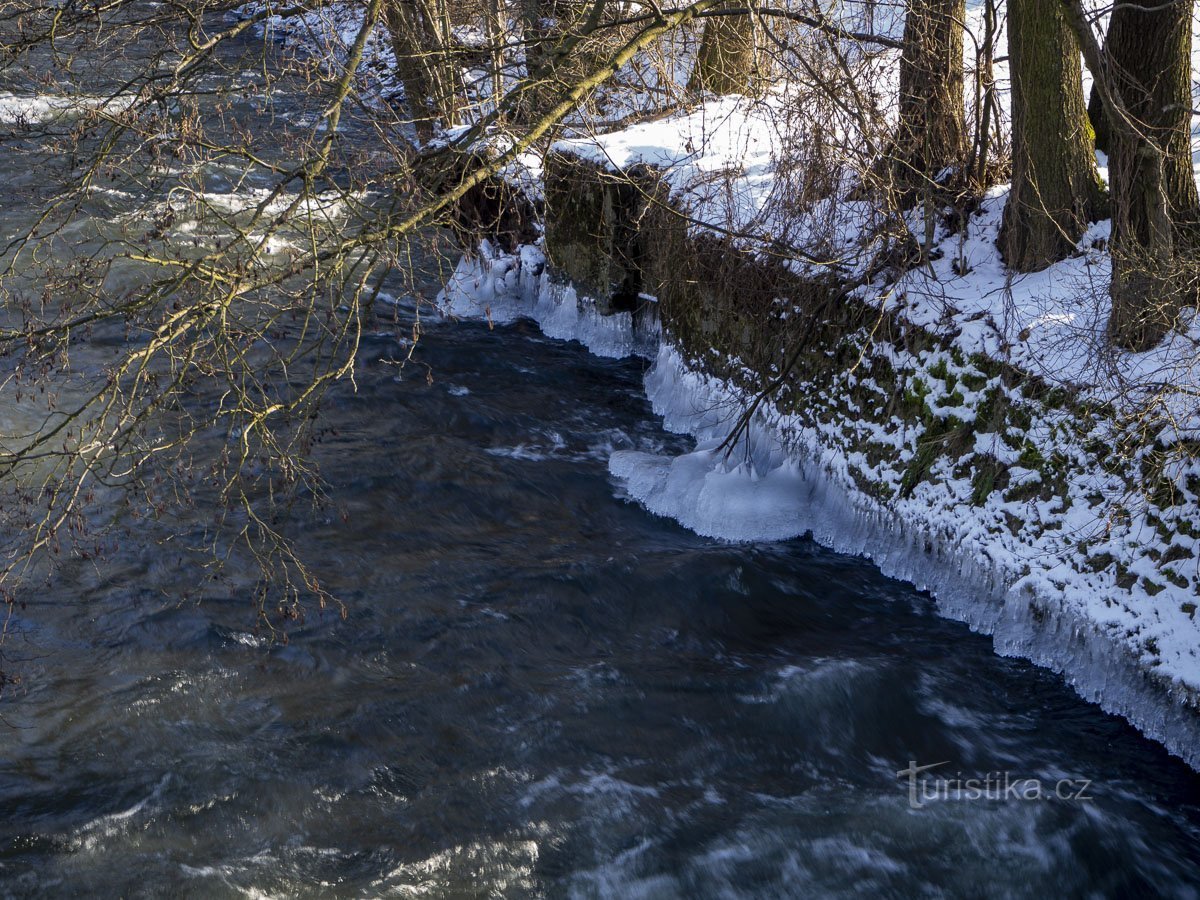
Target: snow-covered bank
<point x="787" y="478"/>
<point x="789" y="482"/>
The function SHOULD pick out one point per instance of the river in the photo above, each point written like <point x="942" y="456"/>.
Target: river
<point x="542" y="690"/>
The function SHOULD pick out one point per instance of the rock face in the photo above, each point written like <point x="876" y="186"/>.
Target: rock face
<point x="595" y="234"/>
<point x="493" y="209"/>
<point x="617" y="237"/>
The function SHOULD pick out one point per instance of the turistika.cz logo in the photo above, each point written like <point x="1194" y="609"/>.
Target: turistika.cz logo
<point x="1002" y="786"/>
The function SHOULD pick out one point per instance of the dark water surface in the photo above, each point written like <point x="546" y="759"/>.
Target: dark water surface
<point x="541" y="690"/>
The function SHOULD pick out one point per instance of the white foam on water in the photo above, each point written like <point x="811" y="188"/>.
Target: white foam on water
<point x="44" y="109"/>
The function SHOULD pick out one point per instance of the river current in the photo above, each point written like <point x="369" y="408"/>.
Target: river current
<point x="542" y="690"/>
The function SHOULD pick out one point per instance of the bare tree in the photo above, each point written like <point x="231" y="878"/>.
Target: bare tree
<point x="179" y="354"/>
<point x="930" y="140"/>
<point x="425" y="62"/>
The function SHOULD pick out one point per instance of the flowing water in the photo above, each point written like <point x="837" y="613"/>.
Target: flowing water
<point x="542" y="690"/>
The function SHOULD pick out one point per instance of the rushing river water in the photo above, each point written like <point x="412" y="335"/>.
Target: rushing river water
<point x="541" y="690"/>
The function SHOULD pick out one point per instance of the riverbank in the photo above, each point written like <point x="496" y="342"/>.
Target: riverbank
<point x="951" y="422"/>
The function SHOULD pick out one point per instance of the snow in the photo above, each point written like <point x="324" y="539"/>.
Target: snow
<point x="502" y="288"/>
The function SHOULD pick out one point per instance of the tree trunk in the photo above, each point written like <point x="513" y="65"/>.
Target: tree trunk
<point x="1055" y="185"/>
<point x="425" y="63"/>
<point x="931" y="137"/>
<point x="1098" y="119"/>
<point x="1149" y="49"/>
<point x="727" y="61"/>
<point x="542" y="33"/>
<point x="563" y="41"/>
<point x="1155" y="203"/>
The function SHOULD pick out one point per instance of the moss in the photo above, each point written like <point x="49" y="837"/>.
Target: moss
<point x="1180" y="581"/>
<point x="1031" y="457"/>
<point x="918" y="468"/>
<point x="990" y="411"/>
<point x="877" y="453"/>
<point x="974" y="381"/>
<point x="1175" y="553"/>
<point x="985" y="364"/>
<point x="1125" y="579"/>
<point x="1019" y="417"/>
<point x="912" y="407"/>
<point x="1055" y="470"/>
<point x="1056" y="398"/>
<point x="990" y="475"/>
<point x="1024" y="492"/>
<point x="1188" y="609"/>
<point x="1166" y="494"/>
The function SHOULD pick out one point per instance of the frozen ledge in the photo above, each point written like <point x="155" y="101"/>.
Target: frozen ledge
<point x="783" y="482"/>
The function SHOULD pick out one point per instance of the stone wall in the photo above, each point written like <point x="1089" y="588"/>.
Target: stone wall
<point x="749" y="319"/>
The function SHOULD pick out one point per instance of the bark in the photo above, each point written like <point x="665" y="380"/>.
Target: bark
<point x="425" y="62"/>
<point x="727" y="62"/>
<point x="538" y="21"/>
<point x="1155" y="204"/>
<point x="1098" y="119"/>
<point x="1149" y="48"/>
<point x="1055" y="185"/>
<point x="931" y="136"/>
